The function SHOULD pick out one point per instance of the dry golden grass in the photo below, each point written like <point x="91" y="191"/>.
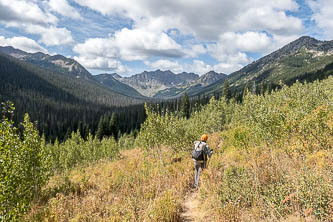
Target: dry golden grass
<point x="270" y="166"/>
<point x="135" y="188"/>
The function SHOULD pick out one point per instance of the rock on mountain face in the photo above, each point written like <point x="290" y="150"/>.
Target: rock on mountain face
<point x="56" y="63"/>
<point x="149" y="83"/>
<point x="109" y="80"/>
<point x="210" y="77"/>
<point x="166" y="84"/>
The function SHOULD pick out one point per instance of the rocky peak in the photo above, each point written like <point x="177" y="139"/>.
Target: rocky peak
<point x="9" y="50"/>
<point x="210" y="77"/>
<point x="116" y="76"/>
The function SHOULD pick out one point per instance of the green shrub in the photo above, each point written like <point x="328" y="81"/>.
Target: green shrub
<point x="76" y="151"/>
<point x="23" y="168"/>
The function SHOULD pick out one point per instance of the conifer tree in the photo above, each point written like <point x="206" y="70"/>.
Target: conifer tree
<point x="226" y="90"/>
<point x="113" y="126"/>
<point x="100" y="129"/>
<point x="185" y="106"/>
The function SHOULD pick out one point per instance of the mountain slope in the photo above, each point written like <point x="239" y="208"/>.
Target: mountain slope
<point x="149" y="83"/>
<point x="300" y="57"/>
<point x="166" y="84"/>
<point x="109" y="81"/>
<point x="192" y="88"/>
<point x="56" y="63"/>
<point x="57" y="101"/>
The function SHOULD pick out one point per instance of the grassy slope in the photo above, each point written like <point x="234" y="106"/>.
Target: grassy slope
<point x="133" y="188"/>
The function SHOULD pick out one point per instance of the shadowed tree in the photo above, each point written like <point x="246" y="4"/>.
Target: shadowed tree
<point x="113" y="126"/>
<point x="226" y="90"/>
<point x="185" y="106"/>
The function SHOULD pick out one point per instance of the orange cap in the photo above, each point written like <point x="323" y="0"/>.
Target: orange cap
<point x="204" y="137"/>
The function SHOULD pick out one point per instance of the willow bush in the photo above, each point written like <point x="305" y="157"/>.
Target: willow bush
<point x="77" y="151"/>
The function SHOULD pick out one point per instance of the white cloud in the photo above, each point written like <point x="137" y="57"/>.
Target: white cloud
<point x="15" y="12"/>
<point x="227" y="30"/>
<point x="100" y="63"/>
<point x="97" y="47"/>
<point x="199" y="67"/>
<point x="195" y="50"/>
<point x="51" y="35"/>
<point x="127" y="45"/>
<point x="245" y="42"/>
<point x="231" y="49"/>
<point x="22" y="43"/>
<point x="64" y="8"/>
<point x="204" y="19"/>
<point x="227" y="68"/>
<point x="165" y="64"/>
<point x="28" y="16"/>
<point x="143" y="43"/>
<point x="131" y="45"/>
<point x="323" y="16"/>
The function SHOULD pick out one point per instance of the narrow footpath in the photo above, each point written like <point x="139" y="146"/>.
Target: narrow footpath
<point x="191" y="209"/>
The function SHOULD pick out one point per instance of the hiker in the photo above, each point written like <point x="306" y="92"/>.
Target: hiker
<point x="200" y="155"/>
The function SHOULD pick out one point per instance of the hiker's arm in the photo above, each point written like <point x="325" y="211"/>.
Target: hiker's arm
<point x="209" y="151"/>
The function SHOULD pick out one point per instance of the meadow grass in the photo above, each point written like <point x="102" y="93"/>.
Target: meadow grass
<point x="272" y="161"/>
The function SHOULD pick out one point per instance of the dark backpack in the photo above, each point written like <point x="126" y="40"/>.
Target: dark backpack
<point x="198" y="152"/>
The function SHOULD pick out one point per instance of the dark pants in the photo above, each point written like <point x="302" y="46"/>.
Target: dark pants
<point x="198" y="166"/>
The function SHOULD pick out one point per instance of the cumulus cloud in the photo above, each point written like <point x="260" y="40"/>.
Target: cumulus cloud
<point x="245" y="42"/>
<point x="31" y="18"/>
<point x="164" y="64"/>
<point x="204" y="19"/>
<point x="15" y="12"/>
<point x="101" y="63"/>
<point x="64" y="8"/>
<point x="322" y="15"/>
<point x="131" y="45"/>
<point x="51" y="35"/>
<point x="141" y="42"/>
<point x="226" y="68"/>
<point x="127" y="45"/>
<point x="22" y="43"/>
<point x="228" y="29"/>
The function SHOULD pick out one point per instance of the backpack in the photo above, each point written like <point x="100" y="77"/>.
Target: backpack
<point x="198" y="151"/>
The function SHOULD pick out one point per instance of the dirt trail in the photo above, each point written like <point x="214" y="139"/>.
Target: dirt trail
<point x="191" y="209"/>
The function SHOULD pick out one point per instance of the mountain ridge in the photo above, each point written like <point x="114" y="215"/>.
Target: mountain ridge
<point x="56" y="63"/>
<point x="166" y="84"/>
<point x="303" y="55"/>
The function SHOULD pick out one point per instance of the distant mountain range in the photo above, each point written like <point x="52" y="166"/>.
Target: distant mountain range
<point x="166" y="84"/>
<point x="298" y="60"/>
<point x="62" y="95"/>
<point x="159" y="84"/>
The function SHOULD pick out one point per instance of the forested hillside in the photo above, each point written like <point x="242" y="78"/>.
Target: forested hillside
<point x="272" y="161"/>
<point x="62" y="103"/>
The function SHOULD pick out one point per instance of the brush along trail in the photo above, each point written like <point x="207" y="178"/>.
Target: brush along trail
<point x="137" y="187"/>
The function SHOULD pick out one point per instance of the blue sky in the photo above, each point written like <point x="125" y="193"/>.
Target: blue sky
<point x="128" y="37"/>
